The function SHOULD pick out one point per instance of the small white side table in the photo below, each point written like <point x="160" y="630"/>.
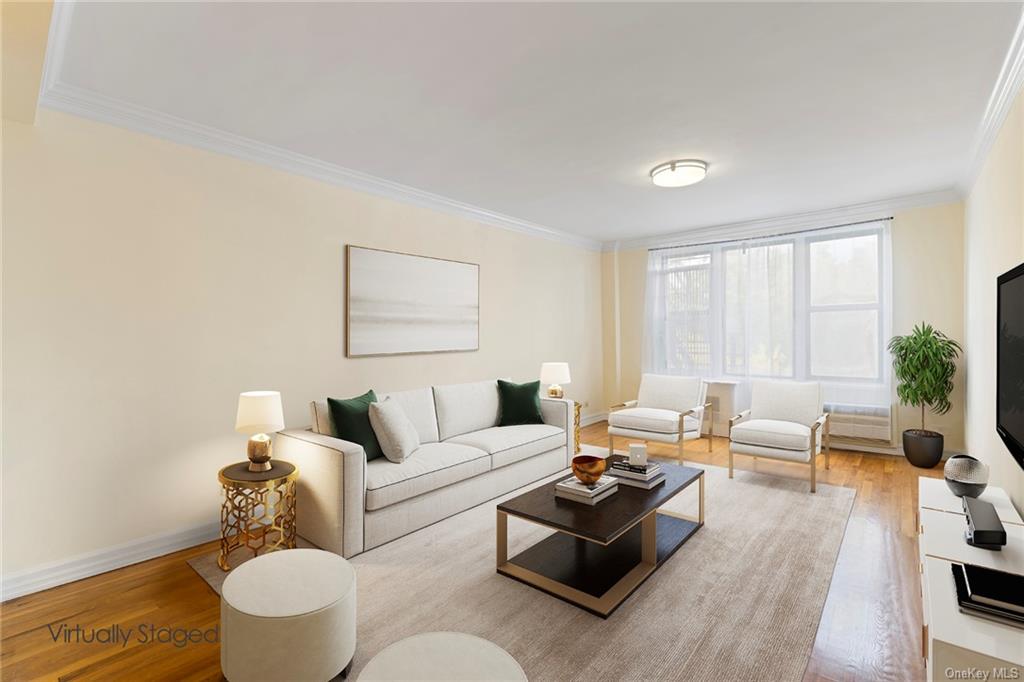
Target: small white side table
<point x="443" y="656"/>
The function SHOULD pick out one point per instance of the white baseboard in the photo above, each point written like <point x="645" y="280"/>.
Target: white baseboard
<point x="588" y="419"/>
<point x="103" y="560"/>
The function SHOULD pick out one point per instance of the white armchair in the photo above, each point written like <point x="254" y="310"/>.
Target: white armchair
<point x="668" y="409"/>
<point x="783" y="422"/>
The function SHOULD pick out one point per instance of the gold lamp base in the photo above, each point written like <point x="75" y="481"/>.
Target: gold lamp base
<point x="259" y="452"/>
<point x="555" y="391"/>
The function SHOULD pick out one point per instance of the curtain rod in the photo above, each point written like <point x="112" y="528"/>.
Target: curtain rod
<point x="771" y="236"/>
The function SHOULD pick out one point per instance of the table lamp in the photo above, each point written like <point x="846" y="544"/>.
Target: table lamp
<point x="555" y="373"/>
<point x="259" y="414"/>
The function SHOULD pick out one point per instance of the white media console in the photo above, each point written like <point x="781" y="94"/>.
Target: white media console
<point x="955" y="642"/>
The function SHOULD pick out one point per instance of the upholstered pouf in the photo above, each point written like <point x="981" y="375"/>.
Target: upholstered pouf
<point x="288" y="615"/>
<point x="453" y="656"/>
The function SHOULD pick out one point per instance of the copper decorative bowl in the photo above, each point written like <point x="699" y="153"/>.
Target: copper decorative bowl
<point x="588" y="468"/>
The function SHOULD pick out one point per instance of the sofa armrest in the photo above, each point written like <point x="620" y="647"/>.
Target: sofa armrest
<point x="561" y="412"/>
<point x="331" y="496"/>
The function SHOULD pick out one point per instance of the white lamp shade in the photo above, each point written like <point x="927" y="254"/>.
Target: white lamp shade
<point x="259" y="412"/>
<point x="554" y="373"/>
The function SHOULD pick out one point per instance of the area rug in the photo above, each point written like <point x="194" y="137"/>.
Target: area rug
<point x="741" y="600"/>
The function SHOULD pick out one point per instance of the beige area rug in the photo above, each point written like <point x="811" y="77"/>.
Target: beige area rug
<point x="741" y="600"/>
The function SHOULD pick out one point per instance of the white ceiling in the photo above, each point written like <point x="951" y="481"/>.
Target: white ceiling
<point x="554" y="113"/>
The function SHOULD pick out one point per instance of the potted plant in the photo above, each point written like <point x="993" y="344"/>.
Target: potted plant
<point x="924" y="362"/>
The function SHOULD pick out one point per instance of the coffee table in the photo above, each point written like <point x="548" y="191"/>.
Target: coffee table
<point x="601" y="554"/>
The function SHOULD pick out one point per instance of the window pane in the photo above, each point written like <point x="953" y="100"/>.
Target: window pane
<point x="688" y="281"/>
<point x="759" y="310"/>
<point x="844" y="270"/>
<point x="687" y="304"/>
<point x="844" y="343"/>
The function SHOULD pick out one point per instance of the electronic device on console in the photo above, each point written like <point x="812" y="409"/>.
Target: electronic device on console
<point x="984" y="529"/>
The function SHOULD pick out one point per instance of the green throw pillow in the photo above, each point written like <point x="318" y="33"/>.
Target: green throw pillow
<point x="520" y="403"/>
<point x="352" y="422"/>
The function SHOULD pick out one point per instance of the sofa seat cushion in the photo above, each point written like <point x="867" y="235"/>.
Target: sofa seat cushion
<point x="772" y="433"/>
<point x="429" y="467"/>
<point x="508" y="444"/>
<point x="651" y="419"/>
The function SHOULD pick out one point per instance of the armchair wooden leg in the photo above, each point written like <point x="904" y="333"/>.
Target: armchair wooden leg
<point x="814" y="472"/>
<point x="828" y="440"/>
<point x="611" y="445"/>
<point x="680" y="452"/>
<point x="730" y="462"/>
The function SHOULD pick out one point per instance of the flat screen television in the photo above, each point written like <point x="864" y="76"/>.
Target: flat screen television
<point x="1010" y="361"/>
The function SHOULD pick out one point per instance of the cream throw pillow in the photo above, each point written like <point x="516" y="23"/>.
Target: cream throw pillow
<point x="395" y="433"/>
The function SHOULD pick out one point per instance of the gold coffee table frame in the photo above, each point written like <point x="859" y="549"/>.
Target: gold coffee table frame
<point x="258" y="512"/>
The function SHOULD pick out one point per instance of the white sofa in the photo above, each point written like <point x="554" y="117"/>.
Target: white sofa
<point x="348" y="505"/>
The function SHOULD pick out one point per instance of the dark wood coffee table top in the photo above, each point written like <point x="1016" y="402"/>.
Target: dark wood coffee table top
<point x="609" y="518"/>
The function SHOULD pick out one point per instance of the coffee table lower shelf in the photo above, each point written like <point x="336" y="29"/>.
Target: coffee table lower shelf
<point x="595" y="577"/>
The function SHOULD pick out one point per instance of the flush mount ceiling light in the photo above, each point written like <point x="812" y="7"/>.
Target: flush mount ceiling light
<point x="679" y="173"/>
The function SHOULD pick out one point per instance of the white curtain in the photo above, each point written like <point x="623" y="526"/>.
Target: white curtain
<point x="813" y="305"/>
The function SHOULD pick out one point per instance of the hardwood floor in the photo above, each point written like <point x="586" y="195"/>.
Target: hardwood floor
<point x="870" y="626"/>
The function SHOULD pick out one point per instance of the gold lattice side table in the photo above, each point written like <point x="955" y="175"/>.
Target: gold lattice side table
<point x="258" y="512"/>
<point x="576" y="426"/>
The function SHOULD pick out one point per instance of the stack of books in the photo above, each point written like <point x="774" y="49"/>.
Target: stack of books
<point x="573" y="489"/>
<point x="991" y="594"/>
<point x="644" y="476"/>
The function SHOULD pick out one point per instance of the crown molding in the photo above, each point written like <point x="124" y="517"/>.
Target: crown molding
<point x="88" y="104"/>
<point x="1004" y="93"/>
<point x="798" y="221"/>
<point x="54" y="94"/>
<point x="56" y="41"/>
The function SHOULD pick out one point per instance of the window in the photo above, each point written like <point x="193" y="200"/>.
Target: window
<point x="687" y="309"/>
<point x="808" y="306"/>
<point x="845" y="307"/>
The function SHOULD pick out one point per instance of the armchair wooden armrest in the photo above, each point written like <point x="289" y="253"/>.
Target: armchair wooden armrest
<point x="628" y="403"/>
<point x="705" y="411"/>
<point x="738" y="418"/>
<point x="823" y="423"/>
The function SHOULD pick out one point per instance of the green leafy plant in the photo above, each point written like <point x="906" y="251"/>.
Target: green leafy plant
<point x="925" y="362"/>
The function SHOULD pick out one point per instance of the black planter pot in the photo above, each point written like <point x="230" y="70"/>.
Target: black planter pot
<point x="922" y="448"/>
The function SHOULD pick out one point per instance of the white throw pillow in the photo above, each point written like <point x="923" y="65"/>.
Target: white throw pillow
<point x="395" y="433"/>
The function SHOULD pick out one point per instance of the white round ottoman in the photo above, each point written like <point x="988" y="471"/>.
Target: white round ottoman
<point x="288" y="615"/>
<point x="443" y="656"/>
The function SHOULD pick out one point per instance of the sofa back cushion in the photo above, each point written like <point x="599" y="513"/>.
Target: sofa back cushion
<point x="664" y="392"/>
<point x="791" y="401"/>
<point x="462" y="408"/>
<point x="418" y="405"/>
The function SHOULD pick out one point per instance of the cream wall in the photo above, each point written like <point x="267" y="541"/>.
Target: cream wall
<point x="927" y="285"/>
<point x="145" y="284"/>
<point x="993" y="243"/>
<point x="624" y="274"/>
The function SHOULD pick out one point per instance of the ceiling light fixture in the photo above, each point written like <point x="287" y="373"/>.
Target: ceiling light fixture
<point x="679" y="173"/>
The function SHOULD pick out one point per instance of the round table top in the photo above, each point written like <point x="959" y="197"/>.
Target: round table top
<point x="239" y="472"/>
<point x="443" y="656"/>
<point x="288" y="583"/>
